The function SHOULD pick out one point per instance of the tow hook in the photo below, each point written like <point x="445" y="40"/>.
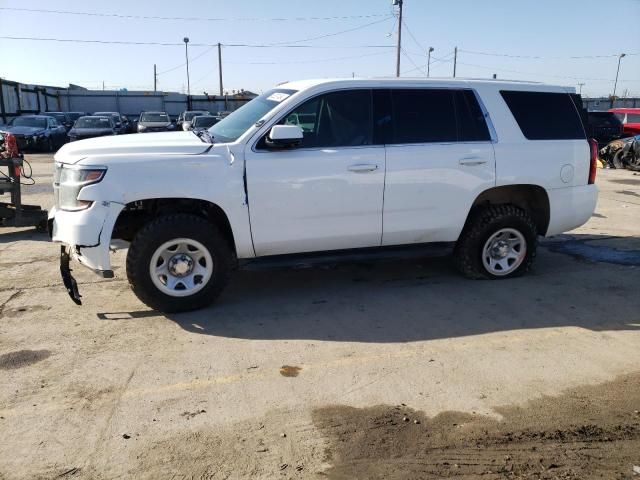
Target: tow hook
<point x="69" y="282"/>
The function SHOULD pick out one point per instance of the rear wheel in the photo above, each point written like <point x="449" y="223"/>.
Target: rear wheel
<point x="498" y="242"/>
<point x="49" y="146"/>
<point x="178" y="263"/>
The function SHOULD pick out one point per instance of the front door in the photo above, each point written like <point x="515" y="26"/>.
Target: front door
<point x="325" y="194"/>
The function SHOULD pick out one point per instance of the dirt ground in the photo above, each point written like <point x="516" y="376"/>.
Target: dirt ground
<point x="393" y="369"/>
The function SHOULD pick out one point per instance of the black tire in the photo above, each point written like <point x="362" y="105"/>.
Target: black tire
<point x="617" y="161"/>
<point x="166" y="228"/>
<point x="49" y="147"/>
<point x="483" y="223"/>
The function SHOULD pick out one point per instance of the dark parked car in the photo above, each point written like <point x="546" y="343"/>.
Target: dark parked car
<point x="76" y="115"/>
<point x="63" y="118"/>
<point x="121" y="127"/>
<point x="37" y="132"/>
<point x="92" y="126"/>
<point x="184" y="120"/>
<point x="203" y="122"/>
<point x="604" y="127"/>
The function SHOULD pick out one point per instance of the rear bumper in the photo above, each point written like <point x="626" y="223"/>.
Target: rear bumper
<point x="571" y="207"/>
<point x="86" y="234"/>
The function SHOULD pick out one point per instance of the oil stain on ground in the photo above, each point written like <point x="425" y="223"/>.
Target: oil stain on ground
<point x="583" y="250"/>
<point x="586" y="433"/>
<point x="22" y="358"/>
<point x="289" y="371"/>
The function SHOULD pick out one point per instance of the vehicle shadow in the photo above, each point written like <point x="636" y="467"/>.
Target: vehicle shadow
<point x="32" y="234"/>
<point x="409" y="300"/>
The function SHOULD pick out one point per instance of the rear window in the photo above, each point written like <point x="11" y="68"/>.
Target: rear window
<point x="545" y="116"/>
<point x="423" y="116"/>
<point x="633" y="117"/>
<point x="472" y="126"/>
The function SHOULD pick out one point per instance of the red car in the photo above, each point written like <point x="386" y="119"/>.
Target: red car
<point x="630" y="118"/>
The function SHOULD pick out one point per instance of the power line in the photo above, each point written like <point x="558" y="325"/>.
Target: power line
<point x="183" y="64"/>
<point x="536" y="73"/>
<point x="174" y="44"/>
<point x="350" y="57"/>
<point x="332" y="34"/>
<point x="537" y="57"/>
<point x="413" y="63"/>
<point x="190" y="19"/>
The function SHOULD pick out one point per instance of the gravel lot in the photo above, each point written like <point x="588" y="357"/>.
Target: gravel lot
<point x="395" y="369"/>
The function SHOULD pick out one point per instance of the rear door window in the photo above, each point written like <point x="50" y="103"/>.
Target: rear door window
<point x="423" y="116"/>
<point x="545" y="115"/>
<point x="472" y="125"/>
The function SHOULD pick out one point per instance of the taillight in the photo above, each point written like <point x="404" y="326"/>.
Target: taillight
<point x="593" y="164"/>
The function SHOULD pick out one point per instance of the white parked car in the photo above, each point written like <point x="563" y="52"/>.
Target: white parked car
<point x="319" y="167"/>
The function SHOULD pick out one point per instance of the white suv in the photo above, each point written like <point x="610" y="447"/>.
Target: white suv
<point x="331" y="167"/>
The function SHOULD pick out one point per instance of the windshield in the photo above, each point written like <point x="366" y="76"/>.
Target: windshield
<point x="74" y="115"/>
<point x="154" y="117"/>
<point x="189" y="115"/>
<point x="204" y="122"/>
<point x="58" y="116"/>
<point x="93" y="122"/>
<point x="29" y="122"/>
<point x="231" y="127"/>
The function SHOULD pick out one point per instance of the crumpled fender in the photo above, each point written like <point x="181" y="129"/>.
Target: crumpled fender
<point x="88" y="233"/>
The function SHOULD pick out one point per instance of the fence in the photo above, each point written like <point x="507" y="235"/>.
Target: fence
<point x="18" y="99"/>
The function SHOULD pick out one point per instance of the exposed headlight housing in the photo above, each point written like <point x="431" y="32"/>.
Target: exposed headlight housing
<point x="68" y="181"/>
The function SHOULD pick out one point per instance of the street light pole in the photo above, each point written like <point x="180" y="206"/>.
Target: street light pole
<point x="580" y="85"/>
<point x="615" y="85"/>
<point x="431" y="49"/>
<point x="186" y="54"/>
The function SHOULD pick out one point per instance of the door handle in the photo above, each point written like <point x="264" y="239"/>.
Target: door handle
<point x="470" y="161"/>
<point x="362" y="168"/>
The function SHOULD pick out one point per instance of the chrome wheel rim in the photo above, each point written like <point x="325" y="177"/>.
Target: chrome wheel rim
<point x="181" y="267"/>
<point x="504" y="252"/>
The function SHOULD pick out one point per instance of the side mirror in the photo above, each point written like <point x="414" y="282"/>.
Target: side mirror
<point x="284" y="136"/>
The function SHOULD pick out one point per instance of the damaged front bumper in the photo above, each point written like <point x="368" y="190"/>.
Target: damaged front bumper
<point x="85" y="236"/>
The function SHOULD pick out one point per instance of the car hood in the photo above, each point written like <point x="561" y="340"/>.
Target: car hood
<point x="23" y="130"/>
<point x="169" y="143"/>
<point x="154" y="124"/>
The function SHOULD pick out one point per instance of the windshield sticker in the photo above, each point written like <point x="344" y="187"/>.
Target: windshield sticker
<point x="278" y="96"/>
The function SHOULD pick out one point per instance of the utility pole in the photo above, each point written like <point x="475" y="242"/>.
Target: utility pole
<point x="580" y="85"/>
<point x="455" y="61"/>
<point x="186" y="54"/>
<point x="431" y="49"/>
<point x="615" y="85"/>
<point x="155" y="79"/>
<point x="399" y="47"/>
<point x="220" y="67"/>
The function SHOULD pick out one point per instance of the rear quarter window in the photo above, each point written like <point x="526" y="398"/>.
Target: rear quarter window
<point x="544" y="115"/>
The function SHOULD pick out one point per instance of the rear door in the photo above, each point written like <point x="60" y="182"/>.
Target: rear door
<point x="439" y="159"/>
<point x="325" y="194"/>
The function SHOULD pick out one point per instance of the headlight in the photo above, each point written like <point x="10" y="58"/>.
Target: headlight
<point x="34" y="138"/>
<point x="69" y="181"/>
<point x="141" y="127"/>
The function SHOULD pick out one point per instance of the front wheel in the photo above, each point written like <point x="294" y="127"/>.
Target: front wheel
<point x="498" y="241"/>
<point x="178" y="263"/>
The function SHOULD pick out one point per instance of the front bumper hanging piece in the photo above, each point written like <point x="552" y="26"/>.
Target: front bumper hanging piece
<point x="69" y="282"/>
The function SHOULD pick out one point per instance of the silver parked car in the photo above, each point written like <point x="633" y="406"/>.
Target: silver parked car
<point x="155" y="122"/>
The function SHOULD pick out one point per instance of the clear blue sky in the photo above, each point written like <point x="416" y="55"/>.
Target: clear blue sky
<point x="555" y="30"/>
